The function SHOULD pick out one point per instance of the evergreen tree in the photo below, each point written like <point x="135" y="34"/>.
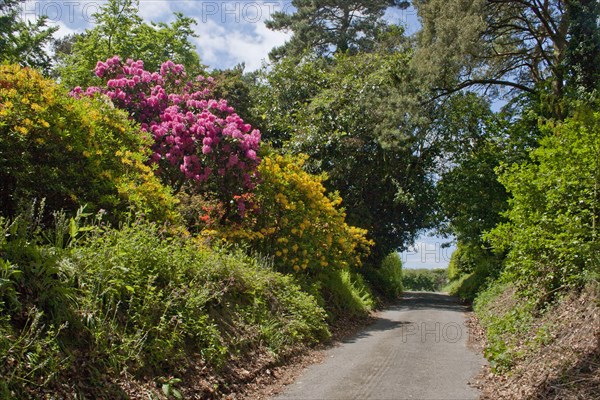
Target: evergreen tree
<point x="328" y="26"/>
<point x="23" y="42"/>
<point x="583" y="53"/>
<point x="525" y="46"/>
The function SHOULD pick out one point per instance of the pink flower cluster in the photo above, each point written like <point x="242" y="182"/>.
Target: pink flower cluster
<point x="201" y="138"/>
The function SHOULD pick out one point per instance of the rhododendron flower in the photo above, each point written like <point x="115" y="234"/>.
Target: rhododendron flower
<point x="193" y="134"/>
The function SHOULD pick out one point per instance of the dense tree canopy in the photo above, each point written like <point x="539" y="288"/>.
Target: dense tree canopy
<point x="119" y="30"/>
<point x="328" y="26"/>
<point x="349" y="115"/>
<point x="522" y="46"/>
<point x="22" y="41"/>
<point x="583" y="53"/>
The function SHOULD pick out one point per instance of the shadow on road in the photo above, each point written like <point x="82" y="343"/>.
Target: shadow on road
<point x="380" y="325"/>
<point x="411" y="301"/>
<point x="430" y="300"/>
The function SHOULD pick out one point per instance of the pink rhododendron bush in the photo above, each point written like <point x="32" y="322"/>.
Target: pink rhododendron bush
<point x="200" y="143"/>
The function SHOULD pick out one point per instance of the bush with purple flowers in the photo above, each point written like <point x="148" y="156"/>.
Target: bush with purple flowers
<point x="199" y="143"/>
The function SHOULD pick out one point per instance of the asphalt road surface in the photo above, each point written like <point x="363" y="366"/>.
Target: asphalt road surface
<point x="415" y="350"/>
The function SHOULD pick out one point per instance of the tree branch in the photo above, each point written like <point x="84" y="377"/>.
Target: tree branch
<point x="477" y="82"/>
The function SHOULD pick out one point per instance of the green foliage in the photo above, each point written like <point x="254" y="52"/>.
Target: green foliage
<point x="506" y="317"/>
<point x="36" y="299"/>
<point x="551" y="238"/>
<point x="351" y="117"/>
<point x="281" y="94"/>
<point x="235" y="86"/>
<point x="326" y="27"/>
<point x="70" y="151"/>
<point x="471" y="198"/>
<point x="344" y="293"/>
<point x="469" y="258"/>
<point x="136" y="300"/>
<point x="448" y="41"/>
<point x="431" y="280"/>
<point x="471" y="267"/>
<point x="179" y="298"/>
<point x="583" y="53"/>
<point x="467" y="286"/>
<point x="522" y="46"/>
<point x="119" y="30"/>
<point x="387" y="279"/>
<point x="23" y="42"/>
<point x="29" y="356"/>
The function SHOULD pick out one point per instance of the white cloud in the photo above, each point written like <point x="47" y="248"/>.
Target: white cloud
<point x="224" y="46"/>
<point x="254" y="49"/>
<point x="155" y="10"/>
<point x="229" y="32"/>
<point x="64" y="30"/>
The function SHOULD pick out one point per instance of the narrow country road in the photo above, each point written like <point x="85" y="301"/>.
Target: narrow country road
<point x="416" y="349"/>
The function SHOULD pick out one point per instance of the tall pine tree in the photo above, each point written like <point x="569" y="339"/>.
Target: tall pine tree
<point x="23" y="42"/>
<point x="329" y="26"/>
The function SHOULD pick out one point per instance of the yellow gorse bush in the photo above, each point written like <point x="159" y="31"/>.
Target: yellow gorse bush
<point x="297" y="223"/>
<point x="72" y="151"/>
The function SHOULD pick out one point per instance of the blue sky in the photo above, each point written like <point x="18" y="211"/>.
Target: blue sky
<point x="429" y="251"/>
<point x="230" y="32"/>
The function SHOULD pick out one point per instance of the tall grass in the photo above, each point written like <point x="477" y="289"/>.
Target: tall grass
<point x="90" y="303"/>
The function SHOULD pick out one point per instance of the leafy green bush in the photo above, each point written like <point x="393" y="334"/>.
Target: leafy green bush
<point x="467" y="286"/>
<point x="343" y="293"/>
<point x="71" y="151"/>
<point x="431" y="280"/>
<point x="180" y="297"/>
<point x="138" y="300"/>
<point x="470" y="268"/>
<point x="387" y="279"/>
<point x="551" y="238"/>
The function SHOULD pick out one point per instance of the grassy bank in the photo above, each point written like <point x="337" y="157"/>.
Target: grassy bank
<point x="561" y="340"/>
<point x="101" y="312"/>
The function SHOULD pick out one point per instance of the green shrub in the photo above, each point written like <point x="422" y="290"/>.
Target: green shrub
<point x="471" y="267"/>
<point x="181" y="298"/>
<point x="431" y="280"/>
<point x="136" y="299"/>
<point x="467" y="286"/>
<point x="343" y="293"/>
<point x="386" y="280"/>
<point x="551" y="237"/>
